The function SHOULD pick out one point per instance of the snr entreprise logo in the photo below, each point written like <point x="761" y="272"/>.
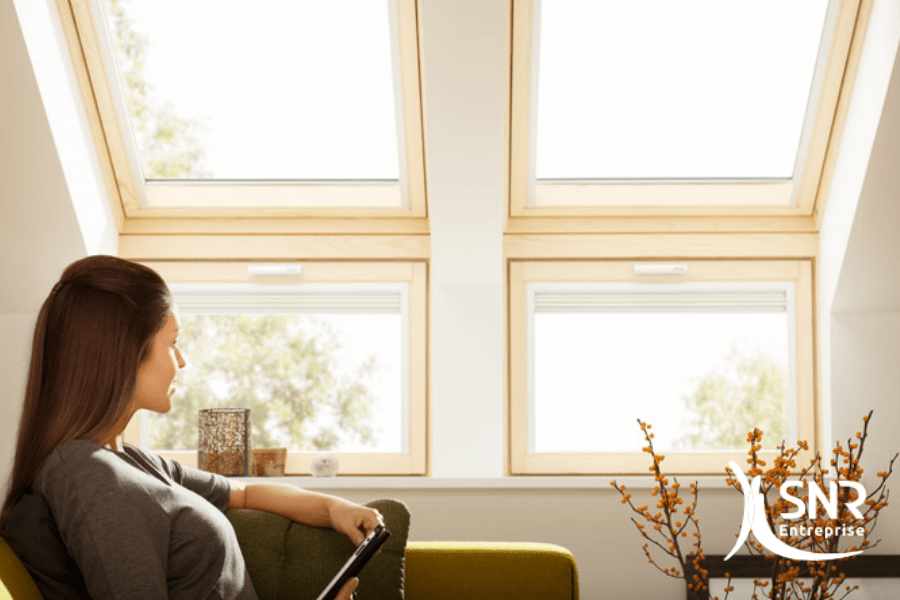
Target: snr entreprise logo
<point x="755" y="516"/>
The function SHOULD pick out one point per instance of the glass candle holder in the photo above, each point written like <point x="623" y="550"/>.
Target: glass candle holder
<point x="224" y="441"/>
<point x="269" y="462"/>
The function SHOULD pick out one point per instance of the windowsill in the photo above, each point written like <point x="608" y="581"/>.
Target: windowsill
<point x="498" y="483"/>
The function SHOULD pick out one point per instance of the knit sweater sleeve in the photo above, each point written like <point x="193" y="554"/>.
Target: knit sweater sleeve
<point x="212" y="487"/>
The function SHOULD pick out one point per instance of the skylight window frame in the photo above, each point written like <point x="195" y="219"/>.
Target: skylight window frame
<point x="134" y="198"/>
<point x="654" y="198"/>
<point x="526" y="276"/>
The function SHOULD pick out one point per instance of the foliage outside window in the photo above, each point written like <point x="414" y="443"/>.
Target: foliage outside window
<point x="326" y="383"/>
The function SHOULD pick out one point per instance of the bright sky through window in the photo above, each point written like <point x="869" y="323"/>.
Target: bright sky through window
<point x="596" y="373"/>
<point x="271" y="89"/>
<point x="661" y="89"/>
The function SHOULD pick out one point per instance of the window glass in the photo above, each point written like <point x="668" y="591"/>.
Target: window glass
<point x="707" y="365"/>
<point x="321" y="373"/>
<point x="693" y="89"/>
<point x="303" y="90"/>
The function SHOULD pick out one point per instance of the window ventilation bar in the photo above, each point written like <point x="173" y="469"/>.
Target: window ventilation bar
<point x="272" y="299"/>
<point x="671" y="301"/>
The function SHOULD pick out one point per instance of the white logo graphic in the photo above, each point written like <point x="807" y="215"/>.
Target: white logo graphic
<point x="755" y="516"/>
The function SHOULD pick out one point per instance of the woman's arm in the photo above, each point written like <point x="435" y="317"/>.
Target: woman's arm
<point x="303" y="506"/>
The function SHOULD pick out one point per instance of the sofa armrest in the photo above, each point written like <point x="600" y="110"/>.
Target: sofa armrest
<point x="290" y="560"/>
<point x="487" y="571"/>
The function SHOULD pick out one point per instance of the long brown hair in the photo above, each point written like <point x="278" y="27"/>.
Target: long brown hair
<point x="93" y="331"/>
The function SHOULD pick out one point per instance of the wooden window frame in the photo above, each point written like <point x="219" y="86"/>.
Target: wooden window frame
<point x="767" y="204"/>
<point x="520" y="273"/>
<point x="415" y="274"/>
<point x="298" y="207"/>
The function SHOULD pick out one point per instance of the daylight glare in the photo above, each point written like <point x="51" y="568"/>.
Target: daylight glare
<point x="301" y="91"/>
<point x="658" y="89"/>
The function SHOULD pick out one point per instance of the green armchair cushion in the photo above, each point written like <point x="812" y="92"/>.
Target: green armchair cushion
<point x="482" y="570"/>
<point x="289" y="560"/>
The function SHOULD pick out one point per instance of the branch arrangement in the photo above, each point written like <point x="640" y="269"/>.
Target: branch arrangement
<point x="666" y="527"/>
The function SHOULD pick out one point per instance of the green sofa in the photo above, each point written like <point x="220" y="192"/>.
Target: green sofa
<point x="288" y="560"/>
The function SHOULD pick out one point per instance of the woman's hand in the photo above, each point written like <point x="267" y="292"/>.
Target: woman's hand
<point x="349" y="590"/>
<point x="349" y="518"/>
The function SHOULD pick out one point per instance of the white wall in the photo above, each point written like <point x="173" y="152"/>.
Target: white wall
<point x="16" y="332"/>
<point x="865" y="312"/>
<point x="866" y="359"/>
<point x="38" y="220"/>
<point x="850" y="174"/>
<point x="463" y="91"/>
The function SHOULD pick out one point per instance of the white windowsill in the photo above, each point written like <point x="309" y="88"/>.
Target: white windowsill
<point x="498" y="483"/>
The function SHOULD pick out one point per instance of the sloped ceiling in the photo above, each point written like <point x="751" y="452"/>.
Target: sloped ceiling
<point x="39" y="233"/>
<point x="870" y="275"/>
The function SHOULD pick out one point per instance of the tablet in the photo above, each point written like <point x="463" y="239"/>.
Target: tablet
<point x="356" y="562"/>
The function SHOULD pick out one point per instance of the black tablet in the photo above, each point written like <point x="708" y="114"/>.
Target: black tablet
<point x="356" y="562"/>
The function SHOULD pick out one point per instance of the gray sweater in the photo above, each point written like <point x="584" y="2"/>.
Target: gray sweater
<point x="140" y="526"/>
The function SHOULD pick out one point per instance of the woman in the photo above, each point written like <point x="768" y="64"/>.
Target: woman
<point x="135" y="524"/>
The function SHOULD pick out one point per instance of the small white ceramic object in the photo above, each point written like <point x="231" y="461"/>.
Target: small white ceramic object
<point x="324" y="465"/>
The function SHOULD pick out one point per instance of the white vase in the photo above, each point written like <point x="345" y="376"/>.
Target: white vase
<point x="324" y="465"/>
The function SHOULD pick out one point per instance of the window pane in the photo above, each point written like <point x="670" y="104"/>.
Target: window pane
<point x="673" y="89"/>
<point x="312" y="381"/>
<point x="703" y="379"/>
<point x="303" y="90"/>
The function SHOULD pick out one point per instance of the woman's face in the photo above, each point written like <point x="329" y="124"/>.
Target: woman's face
<point x="153" y="389"/>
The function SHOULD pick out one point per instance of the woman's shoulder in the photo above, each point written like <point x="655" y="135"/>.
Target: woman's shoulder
<point x="85" y="474"/>
<point x="88" y="453"/>
<point x="83" y="463"/>
<point x="76" y="454"/>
